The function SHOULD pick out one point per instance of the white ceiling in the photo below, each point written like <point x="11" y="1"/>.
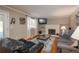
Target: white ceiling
<point x="47" y="11"/>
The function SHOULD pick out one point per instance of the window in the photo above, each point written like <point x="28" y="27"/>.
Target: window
<point x="4" y="24"/>
<point x="31" y="26"/>
<point x="1" y="29"/>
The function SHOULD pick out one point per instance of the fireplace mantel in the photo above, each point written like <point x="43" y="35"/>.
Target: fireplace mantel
<point x="56" y="27"/>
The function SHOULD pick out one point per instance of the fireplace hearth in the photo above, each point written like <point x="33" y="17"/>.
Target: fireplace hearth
<point x="51" y="31"/>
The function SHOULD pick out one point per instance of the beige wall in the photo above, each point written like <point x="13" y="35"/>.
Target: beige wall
<point x="73" y="20"/>
<point x="16" y="30"/>
<point x="64" y="20"/>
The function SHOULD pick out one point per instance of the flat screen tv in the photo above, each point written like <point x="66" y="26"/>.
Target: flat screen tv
<point x="42" y="21"/>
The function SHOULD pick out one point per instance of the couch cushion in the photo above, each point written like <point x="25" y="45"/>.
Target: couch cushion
<point x="11" y="43"/>
<point x="4" y="50"/>
<point x="37" y="48"/>
<point x="29" y="44"/>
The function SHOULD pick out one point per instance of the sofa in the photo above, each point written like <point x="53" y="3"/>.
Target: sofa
<point x="20" y="46"/>
<point x="64" y="42"/>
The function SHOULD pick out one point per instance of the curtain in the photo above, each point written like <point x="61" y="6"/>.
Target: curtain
<point x="31" y="26"/>
<point x="1" y="29"/>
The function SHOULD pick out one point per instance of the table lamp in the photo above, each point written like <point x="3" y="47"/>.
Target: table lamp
<point x="75" y="36"/>
<point x="63" y="28"/>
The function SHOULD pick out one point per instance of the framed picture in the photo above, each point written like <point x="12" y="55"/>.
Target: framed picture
<point x="22" y="20"/>
<point x="42" y="21"/>
<point x="13" y="20"/>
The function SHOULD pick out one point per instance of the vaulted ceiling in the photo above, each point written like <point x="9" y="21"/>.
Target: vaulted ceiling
<point x="47" y="11"/>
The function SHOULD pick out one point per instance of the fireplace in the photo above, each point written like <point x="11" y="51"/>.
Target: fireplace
<point x="51" y="31"/>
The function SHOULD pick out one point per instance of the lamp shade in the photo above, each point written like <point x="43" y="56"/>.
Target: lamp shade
<point x="63" y="28"/>
<point x="75" y="34"/>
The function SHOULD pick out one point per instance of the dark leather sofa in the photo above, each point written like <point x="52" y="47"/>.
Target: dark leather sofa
<point x="20" y="46"/>
<point x="4" y="50"/>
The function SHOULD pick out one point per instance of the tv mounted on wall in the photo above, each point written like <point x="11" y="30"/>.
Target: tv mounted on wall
<point x="42" y="21"/>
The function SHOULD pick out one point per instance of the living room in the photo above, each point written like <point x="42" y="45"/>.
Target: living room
<point x="27" y="21"/>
